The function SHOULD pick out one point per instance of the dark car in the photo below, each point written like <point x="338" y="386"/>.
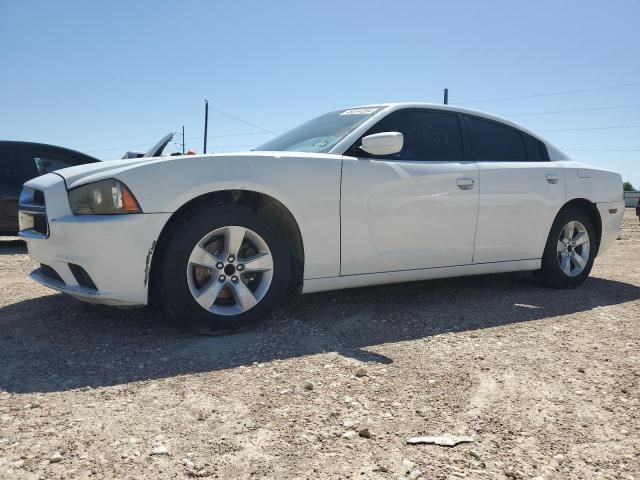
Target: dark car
<point x="22" y="161"/>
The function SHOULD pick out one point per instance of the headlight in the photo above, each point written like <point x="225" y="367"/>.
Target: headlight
<point x="106" y="197"/>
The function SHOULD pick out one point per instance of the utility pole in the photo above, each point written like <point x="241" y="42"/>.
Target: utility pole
<point x="446" y="96"/>
<point x="206" y="122"/>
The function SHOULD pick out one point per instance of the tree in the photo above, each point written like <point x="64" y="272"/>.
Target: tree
<point x="628" y="187"/>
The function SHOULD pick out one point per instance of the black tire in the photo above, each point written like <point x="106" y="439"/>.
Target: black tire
<point x="185" y="234"/>
<point x="551" y="274"/>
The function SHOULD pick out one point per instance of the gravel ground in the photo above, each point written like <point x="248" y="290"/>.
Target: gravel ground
<point x="546" y="382"/>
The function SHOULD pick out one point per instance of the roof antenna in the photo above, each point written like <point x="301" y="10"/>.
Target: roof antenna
<point x="446" y="96"/>
<point x="206" y="122"/>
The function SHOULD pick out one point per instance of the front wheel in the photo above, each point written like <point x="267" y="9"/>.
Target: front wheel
<point x="225" y="268"/>
<point x="570" y="250"/>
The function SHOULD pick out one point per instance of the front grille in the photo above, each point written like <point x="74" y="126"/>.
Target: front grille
<point x="48" y="271"/>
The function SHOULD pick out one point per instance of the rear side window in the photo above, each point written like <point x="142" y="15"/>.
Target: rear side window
<point x="536" y="151"/>
<point x="12" y="168"/>
<point x="9" y="162"/>
<point x="491" y="141"/>
<point x="428" y="135"/>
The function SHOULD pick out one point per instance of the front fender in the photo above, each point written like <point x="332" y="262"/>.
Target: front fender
<point x="307" y="185"/>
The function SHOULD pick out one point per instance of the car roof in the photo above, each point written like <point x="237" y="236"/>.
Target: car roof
<point x="451" y="108"/>
<point x="389" y="107"/>
<point x="46" y="145"/>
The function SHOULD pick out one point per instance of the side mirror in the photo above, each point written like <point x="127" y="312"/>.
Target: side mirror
<point x="384" y="143"/>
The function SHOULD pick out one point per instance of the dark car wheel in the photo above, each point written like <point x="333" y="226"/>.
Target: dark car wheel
<point x="570" y="250"/>
<point x="224" y="268"/>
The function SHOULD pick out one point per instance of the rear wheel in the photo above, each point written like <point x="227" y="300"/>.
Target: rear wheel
<point x="224" y="268"/>
<point x="570" y="250"/>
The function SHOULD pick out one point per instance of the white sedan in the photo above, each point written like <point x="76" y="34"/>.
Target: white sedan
<point x="356" y="197"/>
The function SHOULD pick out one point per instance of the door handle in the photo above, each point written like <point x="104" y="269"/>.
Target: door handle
<point x="465" y="183"/>
<point x="551" y="178"/>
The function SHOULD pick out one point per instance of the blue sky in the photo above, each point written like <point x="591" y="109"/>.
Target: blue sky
<point x="102" y="77"/>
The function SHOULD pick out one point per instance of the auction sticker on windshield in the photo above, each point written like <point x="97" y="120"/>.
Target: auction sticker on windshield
<point x="360" y="111"/>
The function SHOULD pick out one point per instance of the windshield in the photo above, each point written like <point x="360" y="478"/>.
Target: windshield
<point x="320" y="134"/>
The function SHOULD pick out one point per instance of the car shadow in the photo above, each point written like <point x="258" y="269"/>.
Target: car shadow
<point x="55" y="343"/>
<point x="12" y="246"/>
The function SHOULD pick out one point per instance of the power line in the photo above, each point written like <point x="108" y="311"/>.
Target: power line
<point x="602" y="149"/>
<point x="129" y="147"/>
<point x="234" y="146"/>
<point x="121" y="148"/>
<point x="243" y="121"/>
<point x="549" y="94"/>
<point x="589" y="128"/>
<point x="248" y="134"/>
<point x="612" y="107"/>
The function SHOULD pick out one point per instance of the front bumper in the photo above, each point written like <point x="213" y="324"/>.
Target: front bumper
<point x="113" y="250"/>
<point x="611" y="215"/>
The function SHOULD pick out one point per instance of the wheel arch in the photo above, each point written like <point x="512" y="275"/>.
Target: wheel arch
<point x="591" y="210"/>
<point x="263" y="203"/>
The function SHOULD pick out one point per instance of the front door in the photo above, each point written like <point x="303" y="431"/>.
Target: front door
<point x="413" y="210"/>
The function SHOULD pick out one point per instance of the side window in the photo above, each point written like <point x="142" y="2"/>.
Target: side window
<point x="47" y="162"/>
<point x="491" y="141"/>
<point x="9" y="162"/>
<point x="536" y="151"/>
<point x="12" y="169"/>
<point x="428" y="134"/>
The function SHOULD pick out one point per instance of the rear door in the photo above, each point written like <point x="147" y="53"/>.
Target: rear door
<point x="14" y="171"/>
<point x="521" y="191"/>
<point x="412" y="210"/>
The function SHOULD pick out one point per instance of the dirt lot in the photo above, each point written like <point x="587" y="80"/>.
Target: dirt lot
<point x="545" y="381"/>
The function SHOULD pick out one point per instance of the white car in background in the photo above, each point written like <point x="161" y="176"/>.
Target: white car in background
<point x="356" y="197"/>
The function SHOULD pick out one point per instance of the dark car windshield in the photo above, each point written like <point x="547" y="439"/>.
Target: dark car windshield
<point x="320" y="134"/>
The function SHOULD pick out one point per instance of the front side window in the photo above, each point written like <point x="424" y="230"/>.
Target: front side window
<point x="320" y="134"/>
<point x="494" y="142"/>
<point x="429" y="135"/>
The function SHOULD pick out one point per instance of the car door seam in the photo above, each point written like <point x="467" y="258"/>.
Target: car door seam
<point x="475" y="234"/>
<point x="340" y="219"/>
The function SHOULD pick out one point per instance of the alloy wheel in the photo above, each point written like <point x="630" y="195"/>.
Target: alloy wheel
<point x="230" y="270"/>
<point x="573" y="248"/>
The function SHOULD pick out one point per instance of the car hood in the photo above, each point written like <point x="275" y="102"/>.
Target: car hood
<point x="75" y="174"/>
<point x="92" y="172"/>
